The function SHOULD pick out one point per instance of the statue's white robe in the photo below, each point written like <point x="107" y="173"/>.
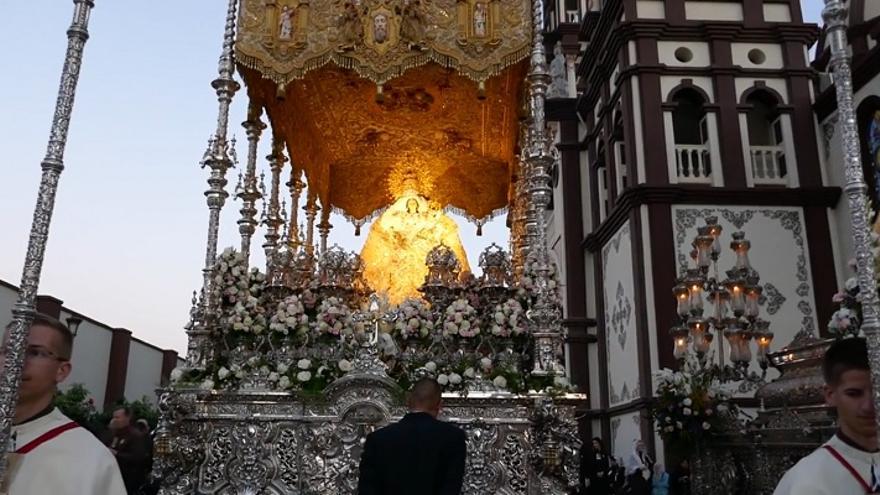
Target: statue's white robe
<point x="72" y="463"/>
<point x="821" y="474"/>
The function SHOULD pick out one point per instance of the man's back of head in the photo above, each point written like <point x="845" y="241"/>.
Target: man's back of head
<point x="425" y="397"/>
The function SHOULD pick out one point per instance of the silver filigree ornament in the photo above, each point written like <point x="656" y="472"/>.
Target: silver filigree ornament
<point x="835" y="15"/>
<point x="53" y="163"/>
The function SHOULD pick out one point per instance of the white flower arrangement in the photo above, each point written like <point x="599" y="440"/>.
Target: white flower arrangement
<point x="508" y="319"/>
<point x="290" y="318"/>
<point x="415" y="319"/>
<point x="334" y="318"/>
<point x="461" y="319"/>
<point x="690" y="401"/>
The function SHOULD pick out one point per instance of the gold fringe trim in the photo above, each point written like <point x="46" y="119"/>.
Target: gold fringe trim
<point x="379" y="77"/>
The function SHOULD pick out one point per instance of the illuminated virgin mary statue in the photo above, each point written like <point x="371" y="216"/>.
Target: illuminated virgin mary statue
<point x="400" y="239"/>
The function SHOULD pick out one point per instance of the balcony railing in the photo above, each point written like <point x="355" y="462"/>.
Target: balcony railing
<point x="768" y="165"/>
<point x="693" y="163"/>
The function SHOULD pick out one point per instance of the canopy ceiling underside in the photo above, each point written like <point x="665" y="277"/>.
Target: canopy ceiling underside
<point x="431" y="135"/>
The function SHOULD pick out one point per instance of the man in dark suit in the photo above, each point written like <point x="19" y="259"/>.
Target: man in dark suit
<point x="418" y="455"/>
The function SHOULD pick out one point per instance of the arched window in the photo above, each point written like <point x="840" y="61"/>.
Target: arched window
<point x="691" y="134"/>
<point x="766" y="141"/>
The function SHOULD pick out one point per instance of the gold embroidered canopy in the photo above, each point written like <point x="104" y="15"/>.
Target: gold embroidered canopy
<point x="446" y="123"/>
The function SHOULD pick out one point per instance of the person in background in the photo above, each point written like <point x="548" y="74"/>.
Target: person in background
<point x="130" y="448"/>
<point x="617" y="472"/>
<point x="595" y="468"/>
<point x="680" y="481"/>
<point x="638" y="469"/>
<point x="50" y="454"/>
<point x="850" y="461"/>
<point x="660" y="481"/>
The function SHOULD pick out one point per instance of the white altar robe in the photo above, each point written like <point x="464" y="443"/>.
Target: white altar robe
<point x="821" y="474"/>
<point x="72" y="463"/>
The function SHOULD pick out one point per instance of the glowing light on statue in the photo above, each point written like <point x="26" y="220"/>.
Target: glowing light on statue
<point x="399" y="240"/>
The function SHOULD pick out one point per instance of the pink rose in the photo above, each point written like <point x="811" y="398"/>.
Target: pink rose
<point x="838" y="297"/>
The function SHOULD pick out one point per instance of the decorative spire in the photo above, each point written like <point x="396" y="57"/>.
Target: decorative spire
<point x="219" y="158"/>
<point x="52" y="165"/>
<point x="273" y="220"/>
<point x="296" y="186"/>
<point x="312" y="210"/>
<point x="324" y="227"/>
<point x="249" y="192"/>
<point x="539" y="155"/>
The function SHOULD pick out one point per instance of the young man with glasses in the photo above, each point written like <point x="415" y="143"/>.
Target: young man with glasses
<point x="50" y="453"/>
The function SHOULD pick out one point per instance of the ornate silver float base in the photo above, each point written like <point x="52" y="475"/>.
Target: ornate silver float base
<point x="276" y="443"/>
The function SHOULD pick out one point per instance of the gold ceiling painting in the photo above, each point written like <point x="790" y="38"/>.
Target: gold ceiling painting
<point x="381" y="39"/>
<point x="430" y="134"/>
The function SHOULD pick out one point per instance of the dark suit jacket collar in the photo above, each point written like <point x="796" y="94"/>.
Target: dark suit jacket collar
<point x="416" y="416"/>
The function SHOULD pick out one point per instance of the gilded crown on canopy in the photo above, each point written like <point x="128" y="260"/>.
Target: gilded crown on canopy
<point x="496" y="266"/>
<point x="340" y="273"/>
<point x="443" y="266"/>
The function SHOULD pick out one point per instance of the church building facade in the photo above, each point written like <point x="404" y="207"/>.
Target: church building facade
<point x="678" y="111"/>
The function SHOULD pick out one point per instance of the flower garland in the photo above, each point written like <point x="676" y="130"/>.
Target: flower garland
<point x="691" y="403"/>
<point x="334" y="318"/>
<point x="415" y="319"/>
<point x="461" y="319"/>
<point x="290" y="318"/>
<point x="508" y="319"/>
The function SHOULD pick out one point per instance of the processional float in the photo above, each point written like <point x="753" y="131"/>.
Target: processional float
<point x="289" y="369"/>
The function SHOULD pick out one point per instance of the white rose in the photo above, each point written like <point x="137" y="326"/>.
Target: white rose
<point x="443" y="380"/>
<point x="284" y="382"/>
<point x="304" y="376"/>
<point x="304" y="364"/>
<point x="851" y="283"/>
<point x="253" y="360"/>
<point x="469" y="373"/>
<point x="465" y="325"/>
<point x="345" y="365"/>
<point x="486" y="363"/>
<point x="282" y="368"/>
<point x="264" y="370"/>
<point x="560" y="381"/>
<point x="222" y="373"/>
<point x="208" y="384"/>
<point x="455" y="378"/>
<point x="500" y="382"/>
<point x="687" y="402"/>
<point x="499" y="318"/>
<point x="176" y="374"/>
<point x="273" y="377"/>
<point x="706" y="425"/>
<point x="686" y="411"/>
<point x="679" y="425"/>
<point x="721" y="408"/>
<point x="431" y="366"/>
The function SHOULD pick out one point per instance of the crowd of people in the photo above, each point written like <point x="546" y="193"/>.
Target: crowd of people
<point x="603" y="474"/>
<point x="132" y="445"/>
